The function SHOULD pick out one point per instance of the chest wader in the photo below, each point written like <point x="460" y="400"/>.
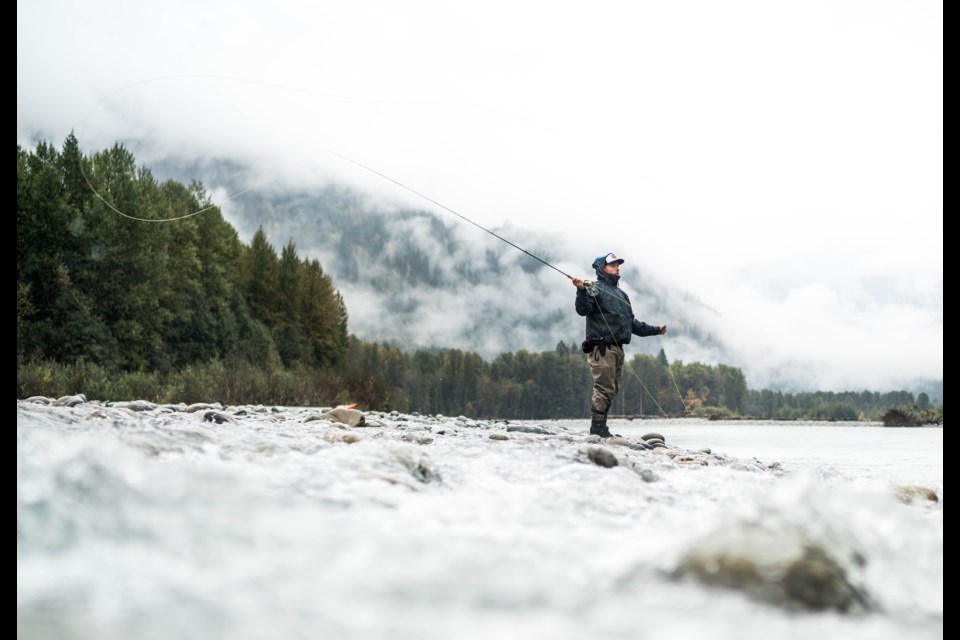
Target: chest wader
<point x="606" y="367"/>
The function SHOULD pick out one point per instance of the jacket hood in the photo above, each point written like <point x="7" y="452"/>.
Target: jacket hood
<point x="601" y="261"/>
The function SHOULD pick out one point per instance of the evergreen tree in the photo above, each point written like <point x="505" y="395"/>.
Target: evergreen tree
<point x="262" y="279"/>
<point x="287" y="330"/>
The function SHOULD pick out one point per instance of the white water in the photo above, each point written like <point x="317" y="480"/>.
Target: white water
<point x="158" y="525"/>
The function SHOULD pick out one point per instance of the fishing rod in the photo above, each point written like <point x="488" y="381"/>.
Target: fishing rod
<point x="116" y="210"/>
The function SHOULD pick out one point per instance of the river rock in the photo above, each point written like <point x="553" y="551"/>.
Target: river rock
<point x="782" y="567"/>
<point x="135" y="405"/>
<point x="416" y="439"/>
<point x="601" y="457"/>
<point x="910" y="494"/>
<point x="216" y="417"/>
<point x="203" y="406"/>
<point x="70" y="401"/>
<point x="524" y="428"/>
<point x="349" y="417"/>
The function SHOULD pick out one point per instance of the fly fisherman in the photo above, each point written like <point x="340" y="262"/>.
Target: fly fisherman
<point x="610" y="325"/>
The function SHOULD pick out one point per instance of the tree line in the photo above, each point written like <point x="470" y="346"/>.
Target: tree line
<point x="557" y="384"/>
<point x="113" y="300"/>
<point x="106" y="280"/>
<point x="546" y="385"/>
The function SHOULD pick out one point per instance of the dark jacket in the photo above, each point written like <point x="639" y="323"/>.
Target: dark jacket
<point x="609" y="314"/>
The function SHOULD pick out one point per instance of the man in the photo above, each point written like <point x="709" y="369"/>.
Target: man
<point x="610" y="325"/>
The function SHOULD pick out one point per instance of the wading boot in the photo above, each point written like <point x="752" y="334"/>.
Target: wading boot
<point x="598" y="426"/>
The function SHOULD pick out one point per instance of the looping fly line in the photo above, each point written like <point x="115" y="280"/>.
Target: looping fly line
<point x="269" y="85"/>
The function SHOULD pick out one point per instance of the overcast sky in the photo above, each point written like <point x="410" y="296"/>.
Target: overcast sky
<point x="782" y="161"/>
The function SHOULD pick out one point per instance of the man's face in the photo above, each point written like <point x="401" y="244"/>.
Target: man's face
<point x="613" y="268"/>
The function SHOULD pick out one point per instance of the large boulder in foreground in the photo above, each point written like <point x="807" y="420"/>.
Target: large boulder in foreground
<point x="782" y="567"/>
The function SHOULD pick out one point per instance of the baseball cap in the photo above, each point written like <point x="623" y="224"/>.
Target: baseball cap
<point x="609" y="259"/>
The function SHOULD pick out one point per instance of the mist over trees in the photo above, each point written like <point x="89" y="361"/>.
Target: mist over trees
<point x="141" y="298"/>
<point x="426" y="280"/>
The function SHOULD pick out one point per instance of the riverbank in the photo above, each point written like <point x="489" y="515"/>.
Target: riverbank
<point x="137" y="520"/>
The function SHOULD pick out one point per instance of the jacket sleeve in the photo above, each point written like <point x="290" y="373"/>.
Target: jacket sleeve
<point x="585" y="302"/>
<point x="643" y="329"/>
